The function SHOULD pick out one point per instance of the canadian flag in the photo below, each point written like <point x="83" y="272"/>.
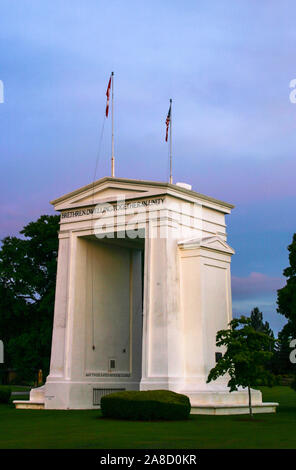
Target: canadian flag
<point x="108" y="96"/>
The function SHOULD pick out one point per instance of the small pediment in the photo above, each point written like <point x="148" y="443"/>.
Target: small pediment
<point x="112" y="192"/>
<point x="106" y="190"/>
<point x="214" y="243"/>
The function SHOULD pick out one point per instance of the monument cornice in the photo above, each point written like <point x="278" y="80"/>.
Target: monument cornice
<point x="132" y="185"/>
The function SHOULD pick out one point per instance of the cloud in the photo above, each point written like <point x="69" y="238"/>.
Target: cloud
<point x="255" y="285"/>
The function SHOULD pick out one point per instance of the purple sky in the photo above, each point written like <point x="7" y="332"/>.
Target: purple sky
<point x="226" y="64"/>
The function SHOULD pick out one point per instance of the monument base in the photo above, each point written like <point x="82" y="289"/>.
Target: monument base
<point x="210" y="401"/>
<point x="69" y="395"/>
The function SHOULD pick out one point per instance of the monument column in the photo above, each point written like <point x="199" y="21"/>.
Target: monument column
<point x="57" y="363"/>
<point x="162" y="362"/>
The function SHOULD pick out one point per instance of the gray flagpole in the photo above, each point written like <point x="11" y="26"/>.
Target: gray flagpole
<point x="112" y="150"/>
<point x="171" y="163"/>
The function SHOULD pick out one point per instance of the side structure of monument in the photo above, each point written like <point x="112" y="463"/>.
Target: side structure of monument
<point x="143" y="285"/>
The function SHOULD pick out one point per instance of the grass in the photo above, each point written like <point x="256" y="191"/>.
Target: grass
<point x="88" y="430"/>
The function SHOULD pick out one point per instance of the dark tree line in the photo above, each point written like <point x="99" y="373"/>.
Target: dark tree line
<point x="27" y="289"/>
<point x="286" y="302"/>
<point x="286" y="305"/>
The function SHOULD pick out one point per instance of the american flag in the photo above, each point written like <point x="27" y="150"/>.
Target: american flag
<point x="108" y="96"/>
<point x="167" y="122"/>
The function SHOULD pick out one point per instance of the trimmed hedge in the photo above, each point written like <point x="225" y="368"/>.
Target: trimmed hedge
<point x="146" y="405"/>
<point x="5" y="393"/>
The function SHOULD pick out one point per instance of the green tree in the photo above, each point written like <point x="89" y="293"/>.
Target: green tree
<point x="280" y="362"/>
<point x="286" y="297"/>
<point x="27" y="288"/>
<point x="258" y="324"/>
<point x="247" y="353"/>
<point x="286" y="302"/>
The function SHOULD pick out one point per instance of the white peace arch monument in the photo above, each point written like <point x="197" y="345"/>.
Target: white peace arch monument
<point x="143" y="286"/>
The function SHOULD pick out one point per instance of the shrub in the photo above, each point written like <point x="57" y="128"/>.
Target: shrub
<point x="5" y="393"/>
<point x="146" y="405"/>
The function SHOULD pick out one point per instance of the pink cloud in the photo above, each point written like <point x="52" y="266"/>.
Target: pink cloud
<point x="255" y="284"/>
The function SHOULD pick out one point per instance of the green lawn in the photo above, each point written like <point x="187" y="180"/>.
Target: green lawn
<point x="86" y="429"/>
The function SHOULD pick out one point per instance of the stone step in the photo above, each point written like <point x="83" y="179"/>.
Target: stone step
<point x="233" y="409"/>
<point x="28" y="404"/>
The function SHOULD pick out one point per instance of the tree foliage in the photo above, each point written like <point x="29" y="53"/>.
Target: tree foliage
<point x="258" y="324"/>
<point x="27" y="288"/>
<point x="286" y="301"/>
<point x="281" y="360"/>
<point x="286" y="298"/>
<point x="247" y="353"/>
